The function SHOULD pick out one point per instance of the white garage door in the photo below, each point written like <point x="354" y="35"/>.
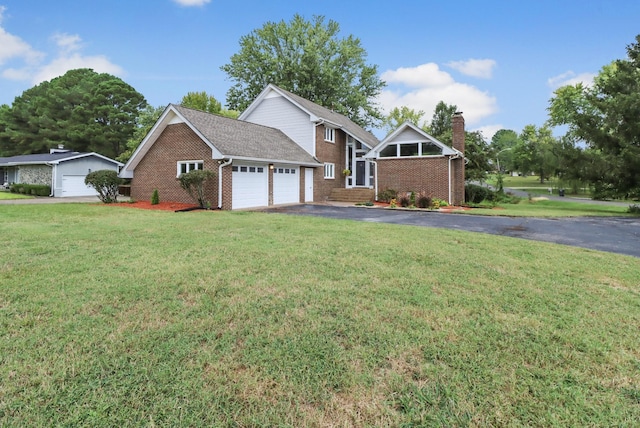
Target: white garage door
<point x="250" y="186"/>
<point x="286" y="185"/>
<point x="73" y="185"/>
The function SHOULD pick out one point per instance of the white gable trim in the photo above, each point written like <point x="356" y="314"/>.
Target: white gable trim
<point x="391" y="139"/>
<point x="170" y="116"/>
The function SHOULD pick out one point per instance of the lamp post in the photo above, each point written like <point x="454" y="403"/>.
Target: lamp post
<point x="498" y="157"/>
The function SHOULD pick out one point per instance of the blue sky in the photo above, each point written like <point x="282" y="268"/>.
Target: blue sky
<point x="498" y="61"/>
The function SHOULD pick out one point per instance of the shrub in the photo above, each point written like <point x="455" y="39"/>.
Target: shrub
<point x="475" y="194"/>
<point x="404" y="201"/>
<point x="106" y="183"/>
<point x="30" y="189"/>
<point x="155" y="197"/>
<point x="634" y="209"/>
<point x="412" y="199"/>
<point x="423" y="200"/>
<point x="387" y="195"/>
<point x="193" y="182"/>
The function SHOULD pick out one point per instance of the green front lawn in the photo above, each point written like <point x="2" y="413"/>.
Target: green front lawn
<point x="122" y="317"/>
<point x="8" y="195"/>
<point x="549" y="208"/>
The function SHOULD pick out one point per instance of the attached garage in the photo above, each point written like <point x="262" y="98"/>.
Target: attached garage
<point x="73" y="185"/>
<point x="286" y="185"/>
<point x="250" y="186"/>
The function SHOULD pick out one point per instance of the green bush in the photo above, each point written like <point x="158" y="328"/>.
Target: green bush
<point x="106" y="183"/>
<point x="193" y="183"/>
<point x="155" y="197"/>
<point x="30" y="189"/>
<point x="387" y="194"/>
<point x="475" y="194"/>
<point x="404" y="201"/>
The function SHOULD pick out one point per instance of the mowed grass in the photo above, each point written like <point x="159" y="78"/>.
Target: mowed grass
<point x="123" y="317"/>
<point x="8" y="195"/>
<point x="553" y="208"/>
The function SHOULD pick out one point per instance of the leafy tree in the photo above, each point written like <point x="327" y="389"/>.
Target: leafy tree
<point x="205" y="102"/>
<point x="309" y="59"/>
<point x="82" y="109"/>
<point x="535" y="152"/>
<point x="106" y="183"/>
<point x="440" y="126"/>
<point x="193" y="182"/>
<point x="605" y="118"/>
<point x="398" y="116"/>
<point x="503" y="143"/>
<point x="145" y="121"/>
<point x="477" y="151"/>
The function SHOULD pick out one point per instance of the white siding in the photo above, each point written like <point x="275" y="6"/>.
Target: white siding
<point x="279" y="113"/>
<point x="408" y="134"/>
<point x="78" y="167"/>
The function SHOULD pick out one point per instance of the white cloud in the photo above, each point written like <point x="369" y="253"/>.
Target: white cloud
<point x="488" y="131"/>
<point x="570" y="78"/>
<point x="13" y="47"/>
<point x="30" y="65"/>
<point x="482" y="68"/>
<point x="422" y="87"/>
<point x="188" y="3"/>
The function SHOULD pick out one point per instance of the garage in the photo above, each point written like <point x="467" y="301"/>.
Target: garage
<point x="250" y="186"/>
<point x="73" y="185"/>
<point x="286" y="185"/>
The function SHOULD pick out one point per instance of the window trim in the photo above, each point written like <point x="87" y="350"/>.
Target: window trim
<point x="329" y="171"/>
<point x="189" y="164"/>
<point x="398" y="150"/>
<point x="331" y="138"/>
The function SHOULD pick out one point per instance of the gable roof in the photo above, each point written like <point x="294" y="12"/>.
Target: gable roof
<point x="227" y="138"/>
<point x="420" y="137"/>
<point x="318" y="113"/>
<point x="51" y="158"/>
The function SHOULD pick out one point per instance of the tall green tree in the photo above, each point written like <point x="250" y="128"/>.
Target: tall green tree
<point x="309" y="59"/>
<point x="440" y="126"/>
<point x="145" y="121"/>
<point x="536" y="152"/>
<point x="478" y="153"/>
<point x="399" y="115"/>
<point x="205" y="102"/>
<point x="503" y="143"/>
<point x="84" y="110"/>
<point x="604" y="116"/>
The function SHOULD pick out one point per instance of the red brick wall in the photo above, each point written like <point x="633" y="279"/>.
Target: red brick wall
<point x="333" y="153"/>
<point x="157" y="170"/>
<point x="428" y="175"/>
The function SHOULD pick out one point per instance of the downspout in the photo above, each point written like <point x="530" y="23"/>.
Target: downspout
<point x="222" y="165"/>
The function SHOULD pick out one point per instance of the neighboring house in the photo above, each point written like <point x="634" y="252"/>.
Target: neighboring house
<point x="255" y="165"/>
<point x="409" y="160"/>
<point x="286" y="149"/>
<point x="63" y="170"/>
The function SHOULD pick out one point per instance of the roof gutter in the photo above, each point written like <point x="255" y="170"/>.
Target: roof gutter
<point x="222" y="165"/>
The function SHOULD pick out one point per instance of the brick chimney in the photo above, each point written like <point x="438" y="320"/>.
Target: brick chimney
<point x="457" y="123"/>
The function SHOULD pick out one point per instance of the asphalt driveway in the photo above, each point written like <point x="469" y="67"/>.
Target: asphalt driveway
<point x="613" y="234"/>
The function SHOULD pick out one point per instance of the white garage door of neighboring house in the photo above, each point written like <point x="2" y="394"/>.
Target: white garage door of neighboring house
<point x="286" y="185"/>
<point x="250" y="186"/>
<point x="73" y="185"/>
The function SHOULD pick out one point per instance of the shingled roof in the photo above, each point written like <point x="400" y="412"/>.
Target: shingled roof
<point x="347" y="124"/>
<point x="44" y="158"/>
<point x="237" y="138"/>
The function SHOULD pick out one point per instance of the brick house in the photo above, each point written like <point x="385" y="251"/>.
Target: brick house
<point x="286" y="149"/>
<point x="410" y="160"/>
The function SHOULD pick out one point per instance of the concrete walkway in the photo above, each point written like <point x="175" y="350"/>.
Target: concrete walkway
<point x="48" y="200"/>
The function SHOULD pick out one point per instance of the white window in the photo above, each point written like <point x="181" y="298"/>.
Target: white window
<point x="186" y="166"/>
<point x="329" y="170"/>
<point x="329" y="134"/>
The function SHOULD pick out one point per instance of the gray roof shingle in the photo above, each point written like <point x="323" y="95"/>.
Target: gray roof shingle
<point x="238" y="138"/>
<point x="38" y="158"/>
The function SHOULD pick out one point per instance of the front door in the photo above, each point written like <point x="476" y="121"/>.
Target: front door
<point x="361" y="173"/>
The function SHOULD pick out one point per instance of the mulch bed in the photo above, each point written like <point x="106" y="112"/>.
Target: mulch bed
<point x="162" y="206"/>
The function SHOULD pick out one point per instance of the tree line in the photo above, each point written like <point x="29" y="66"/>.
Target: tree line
<point x="89" y="111"/>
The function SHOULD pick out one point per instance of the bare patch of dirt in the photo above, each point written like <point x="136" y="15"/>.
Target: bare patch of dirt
<point x="162" y="206"/>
